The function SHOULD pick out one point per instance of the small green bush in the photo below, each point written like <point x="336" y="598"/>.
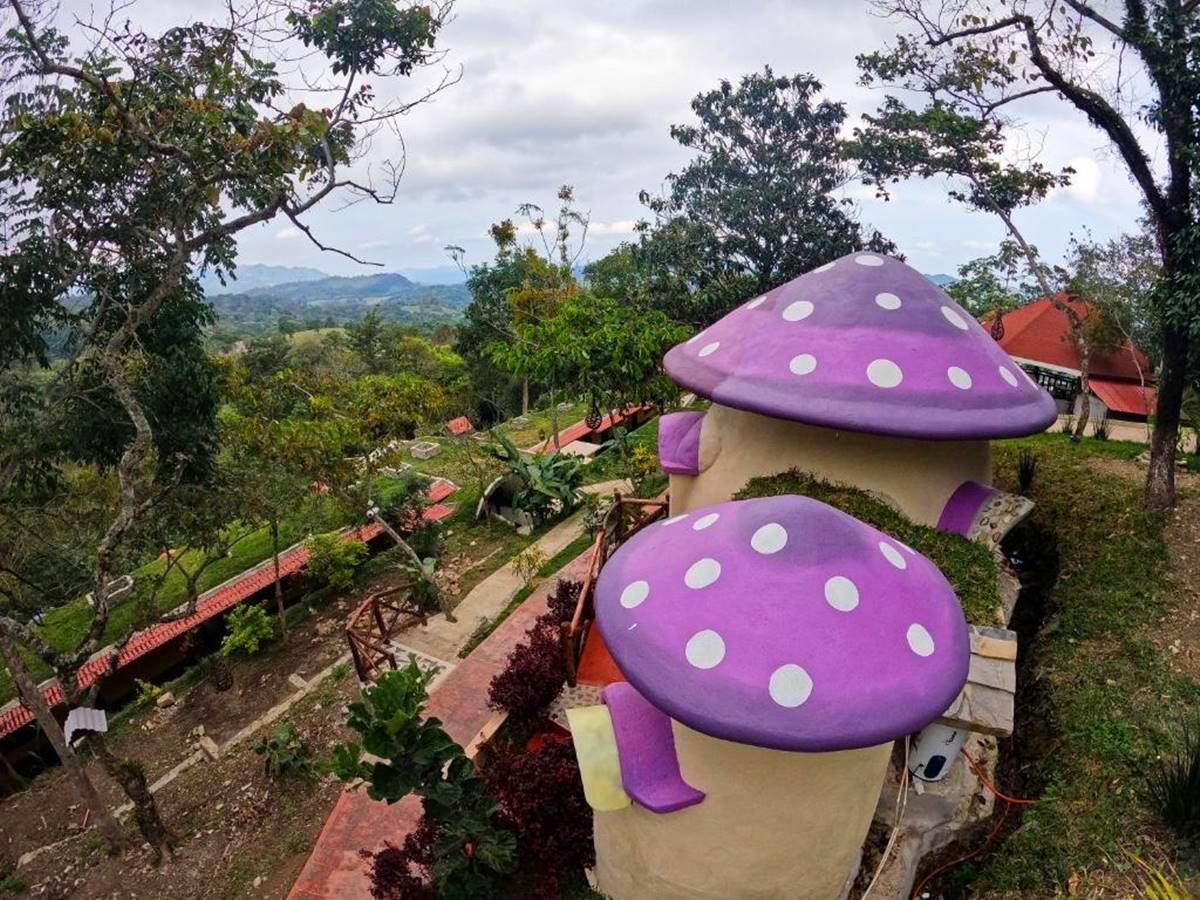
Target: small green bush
<point x="1027" y="463"/>
<point x="1102" y="430"/>
<point x="332" y="561"/>
<point x="284" y="752"/>
<point x="12" y="884"/>
<point x="249" y="628"/>
<point x="147" y="693"/>
<point x="1173" y="784"/>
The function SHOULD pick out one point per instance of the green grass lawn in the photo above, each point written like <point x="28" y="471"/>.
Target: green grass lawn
<point x="1103" y="698"/>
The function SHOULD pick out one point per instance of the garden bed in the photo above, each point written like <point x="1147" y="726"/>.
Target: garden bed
<point x="234" y="823"/>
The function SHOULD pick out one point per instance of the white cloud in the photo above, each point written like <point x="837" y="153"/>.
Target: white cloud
<point x="1085" y="183"/>
<point x="584" y="93"/>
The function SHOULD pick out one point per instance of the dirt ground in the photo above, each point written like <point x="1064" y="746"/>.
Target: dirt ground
<point x="234" y="823"/>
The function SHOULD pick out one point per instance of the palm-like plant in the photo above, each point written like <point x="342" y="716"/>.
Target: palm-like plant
<point x="549" y="481"/>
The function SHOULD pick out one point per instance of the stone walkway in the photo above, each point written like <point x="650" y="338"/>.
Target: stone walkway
<point x="459" y="698"/>
<point x="442" y="639"/>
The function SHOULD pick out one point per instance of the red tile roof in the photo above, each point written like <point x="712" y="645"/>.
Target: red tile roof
<point x="461" y="425"/>
<point x="1041" y="332"/>
<point x="581" y="429"/>
<point x="211" y="603"/>
<point x="1123" y="397"/>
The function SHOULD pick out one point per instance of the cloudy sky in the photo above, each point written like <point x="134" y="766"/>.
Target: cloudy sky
<point x="584" y="92"/>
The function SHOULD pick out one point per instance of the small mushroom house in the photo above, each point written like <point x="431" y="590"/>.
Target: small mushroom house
<point x="862" y="372"/>
<point x="774" y="649"/>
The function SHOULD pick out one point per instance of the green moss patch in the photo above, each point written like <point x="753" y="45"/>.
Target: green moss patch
<point x="968" y="566"/>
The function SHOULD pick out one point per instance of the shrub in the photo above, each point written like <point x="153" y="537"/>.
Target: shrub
<point x="541" y="794"/>
<point x="404" y="872"/>
<point x="561" y="604"/>
<point x="528" y="562"/>
<point x="471" y="853"/>
<point x="534" y="674"/>
<point x="1101" y="430"/>
<point x="284" y="752"/>
<point x="339" y="671"/>
<point x="332" y="561"/>
<point x="147" y="693"/>
<point x="550" y="481"/>
<point x="1174" y="783"/>
<point x="1027" y="463"/>
<point x="643" y="468"/>
<point x="249" y="628"/>
<point x="1068" y="425"/>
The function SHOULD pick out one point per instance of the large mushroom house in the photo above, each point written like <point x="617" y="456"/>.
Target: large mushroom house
<point x="774" y="650"/>
<point x="862" y="372"/>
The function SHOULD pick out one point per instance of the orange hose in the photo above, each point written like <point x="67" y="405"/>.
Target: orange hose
<point x="1009" y="803"/>
<point x="987" y="784"/>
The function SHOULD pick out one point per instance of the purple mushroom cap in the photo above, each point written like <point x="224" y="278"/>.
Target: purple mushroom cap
<point x="784" y="623"/>
<point x="864" y="343"/>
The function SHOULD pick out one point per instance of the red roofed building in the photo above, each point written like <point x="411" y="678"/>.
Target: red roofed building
<point x="1038" y="336"/>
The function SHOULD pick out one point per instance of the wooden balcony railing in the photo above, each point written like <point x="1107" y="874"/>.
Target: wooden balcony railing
<point x="626" y="517"/>
<point x="371" y="626"/>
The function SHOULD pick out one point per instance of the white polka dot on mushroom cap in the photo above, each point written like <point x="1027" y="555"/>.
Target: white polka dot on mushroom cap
<point x="892" y="555"/>
<point x="884" y="373"/>
<point x="804" y="364"/>
<point x="757" y="302"/>
<point x="695" y="337"/>
<point x="920" y="641"/>
<point x="824" y="268"/>
<point x="705" y="649"/>
<point x="702" y="573"/>
<point x="867" y="259"/>
<point x="790" y="685"/>
<point x="797" y="310"/>
<point x="704" y="521"/>
<point x="770" y="538"/>
<point x="954" y="318"/>
<point x="841" y="593"/>
<point x="709" y="349"/>
<point x="887" y="300"/>
<point x="675" y="519"/>
<point x="1008" y="376"/>
<point x="634" y="594"/>
<point x="960" y="378"/>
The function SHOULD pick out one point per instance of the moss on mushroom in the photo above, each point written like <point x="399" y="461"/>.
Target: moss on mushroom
<point x="969" y="567"/>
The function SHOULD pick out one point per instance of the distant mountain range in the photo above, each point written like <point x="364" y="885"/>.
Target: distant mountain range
<point x="255" y="276"/>
<point x="311" y="294"/>
<point x="941" y="280"/>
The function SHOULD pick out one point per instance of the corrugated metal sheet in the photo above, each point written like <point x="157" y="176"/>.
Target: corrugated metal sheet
<point x="1125" y="398"/>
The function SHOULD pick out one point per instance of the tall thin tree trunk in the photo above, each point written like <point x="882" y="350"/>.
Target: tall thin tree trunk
<point x="1160" y="477"/>
<point x="28" y="691"/>
<point x="131" y="775"/>
<point x="525" y="397"/>
<point x="278" y="580"/>
<point x="1085" y="389"/>
<point x="554" y="418"/>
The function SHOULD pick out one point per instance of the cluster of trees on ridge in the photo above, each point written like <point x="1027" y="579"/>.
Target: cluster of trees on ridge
<point x="130" y="167"/>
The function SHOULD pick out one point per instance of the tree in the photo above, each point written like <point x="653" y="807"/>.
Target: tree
<point x="520" y="285"/>
<point x="596" y="347"/>
<point x="366" y="339"/>
<point x="130" y="164"/>
<point x="757" y="205"/>
<point x="986" y="58"/>
<point x="990" y="286"/>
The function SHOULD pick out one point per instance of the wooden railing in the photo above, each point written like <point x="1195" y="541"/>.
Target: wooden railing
<point x="626" y="517"/>
<point x="371" y="626"/>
